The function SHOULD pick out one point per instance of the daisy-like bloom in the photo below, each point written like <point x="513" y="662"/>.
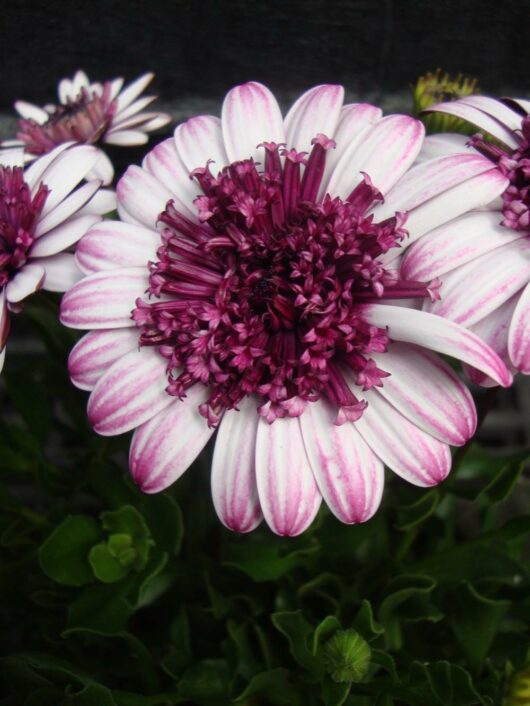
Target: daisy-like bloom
<point x="254" y="299"/>
<point x="483" y="258"/>
<point x="90" y="113"/>
<point x="43" y="212"/>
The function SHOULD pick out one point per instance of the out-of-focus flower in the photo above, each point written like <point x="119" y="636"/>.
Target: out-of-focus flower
<point x="89" y="113"/>
<point x="43" y="212"/>
<point x="483" y="258"/>
<point x="261" y="297"/>
<point x="436" y="88"/>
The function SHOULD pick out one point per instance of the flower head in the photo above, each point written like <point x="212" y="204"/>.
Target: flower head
<point x="259" y="298"/>
<point x="90" y="113"/>
<point x="43" y="211"/>
<point x="434" y="88"/>
<point x="490" y="248"/>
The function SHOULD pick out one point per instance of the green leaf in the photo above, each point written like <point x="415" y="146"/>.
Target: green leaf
<point x="334" y="693"/>
<point x="262" y="561"/>
<point x="412" y="515"/>
<point x="386" y="661"/>
<point x="442" y="684"/>
<point x="103" y="608"/>
<point x="504" y="481"/>
<point x="106" y="567"/>
<point x="297" y="631"/>
<point x="64" y="555"/>
<point x="206" y="681"/>
<point x="272" y="686"/>
<point x="164" y="518"/>
<point x="30" y="398"/>
<point x="324" y="630"/>
<point x="365" y="623"/>
<point x="92" y="695"/>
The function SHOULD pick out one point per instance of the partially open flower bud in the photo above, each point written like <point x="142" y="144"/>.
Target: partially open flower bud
<point x="433" y="88"/>
<point x="347" y="656"/>
<point x="518" y="693"/>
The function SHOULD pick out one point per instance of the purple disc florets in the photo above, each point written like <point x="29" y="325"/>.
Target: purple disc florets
<point x="84" y="119"/>
<point x="19" y="213"/>
<point x="261" y="296"/>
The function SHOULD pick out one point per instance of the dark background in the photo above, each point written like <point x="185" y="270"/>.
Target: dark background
<point x="200" y="49"/>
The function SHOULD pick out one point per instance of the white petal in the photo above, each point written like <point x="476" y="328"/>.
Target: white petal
<point x="443" y="145"/>
<point x="31" y="112"/>
<point x="519" y="333"/>
<point x="65" y="90"/>
<point x="33" y="174"/>
<point x="12" y="156"/>
<point x="133" y="109"/>
<point x="316" y="111"/>
<point x="496" y="109"/>
<point x="102" y="203"/>
<point x="477" y="117"/>
<point x="126" y="138"/>
<point x="234" y="489"/>
<point x="103" y="170"/>
<point x="80" y="81"/>
<point x="4" y="324"/>
<point x="67" y="208"/>
<point x="61" y="271"/>
<point x="25" y="282"/>
<point x="93" y="354"/>
<point x="112" y="244"/>
<point x="201" y="139"/>
<point x="63" y="236"/>
<point x="164" y="163"/>
<point x="132" y="91"/>
<point x="65" y="173"/>
<point x="250" y="116"/>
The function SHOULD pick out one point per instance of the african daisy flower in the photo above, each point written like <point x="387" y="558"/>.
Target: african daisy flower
<point x="91" y="113"/>
<point x="253" y="299"/>
<point x="43" y="211"/>
<point x="483" y="258"/>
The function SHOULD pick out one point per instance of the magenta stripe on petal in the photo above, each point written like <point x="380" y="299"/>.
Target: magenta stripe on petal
<point x="519" y="333"/>
<point x="198" y="140"/>
<point x="93" y="355"/>
<point x="477" y="117"/>
<point x="113" y="244"/>
<point x="316" y="111"/>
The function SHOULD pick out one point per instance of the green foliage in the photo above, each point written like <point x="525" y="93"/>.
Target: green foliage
<point x="115" y="598"/>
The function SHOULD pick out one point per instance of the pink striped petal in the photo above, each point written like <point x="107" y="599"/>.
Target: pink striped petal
<point x="130" y="393"/>
<point x="33" y="174"/>
<point x="65" y="173"/>
<point x="350" y="477"/>
<point x="105" y="299"/>
<point x="63" y="236"/>
<point x="4" y="321"/>
<point x="438" y="334"/>
<point x="408" y="451"/>
<point x="519" y="333"/>
<point x="234" y="489"/>
<point x="496" y="109"/>
<point x="164" y="163"/>
<point x="495" y="277"/>
<point x="67" y="208"/>
<point x="166" y="445"/>
<point x="428" y="393"/>
<point x="385" y="153"/>
<point x="31" y="112"/>
<point x="112" y="244"/>
<point x="477" y="117"/>
<point x="250" y="116"/>
<point x="93" y="355"/>
<point x="132" y="91"/>
<point x="201" y="139"/>
<point x="456" y="243"/>
<point x="443" y="145"/>
<point x="316" y="111"/>
<point x="287" y="489"/>
<point x="25" y="282"/>
<point x="61" y="271"/>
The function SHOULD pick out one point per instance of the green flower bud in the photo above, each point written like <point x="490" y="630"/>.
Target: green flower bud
<point x="347" y="656"/>
<point x="436" y="88"/>
<point x="518" y="693"/>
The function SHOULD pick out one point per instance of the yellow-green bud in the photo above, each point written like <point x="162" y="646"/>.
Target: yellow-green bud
<point x="436" y="88"/>
<point x="518" y="693"/>
<point x="347" y="656"/>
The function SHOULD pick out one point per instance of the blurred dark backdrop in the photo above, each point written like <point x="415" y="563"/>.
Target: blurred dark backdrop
<point x="201" y="48"/>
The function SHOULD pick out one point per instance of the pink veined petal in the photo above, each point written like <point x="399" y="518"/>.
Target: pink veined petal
<point x="287" y="489"/>
<point x="65" y="173"/>
<point x="25" y="282"/>
<point x="473" y="193"/>
<point x="354" y="122"/>
<point x="4" y="324"/>
<point x="67" y="208"/>
<point x="519" y="333"/>
<point x="33" y="174"/>
<point x="200" y="139"/>
<point x="166" y="445"/>
<point x="472" y="291"/>
<point x="349" y="475"/>
<point x="93" y="354"/>
<point x="129" y="393"/>
<point x="103" y="202"/>
<point x="234" y="489"/>
<point x="145" y="198"/>
<point x="105" y="299"/>
<point x="250" y="116"/>
<point x="132" y="91"/>
<point x="477" y="117"/>
<point x="437" y="334"/>
<point x="443" y="145"/>
<point x="103" y="170"/>
<point x="427" y="392"/>
<point x="63" y="236"/>
<point x="126" y="138"/>
<point x="496" y="109"/>
<point x="410" y="452"/>
<point x="493" y="330"/>
<point x="316" y="111"/>
<point x="31" y="112"/>
<point x="113" y="244"/>
<point x="164" y="163"/>
<point x="454" y="244"/>
<point x="61" y="271"/>
<point x="385" y="153"/>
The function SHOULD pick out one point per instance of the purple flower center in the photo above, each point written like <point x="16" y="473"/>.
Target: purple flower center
<point x="84" y="119"/>
<point x="19" y="213"/>
<point x="261" y="297"/>
<point x="516" y="167"/>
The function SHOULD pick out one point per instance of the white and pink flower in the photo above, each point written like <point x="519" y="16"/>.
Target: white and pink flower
<point x="89" y="113"/>
<point x="256" y="298"/>
<point x="44" y="210"/>
<point x="483" y="258"/>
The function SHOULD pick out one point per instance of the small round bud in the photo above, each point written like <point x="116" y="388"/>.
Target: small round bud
<point x="347" y="656"/>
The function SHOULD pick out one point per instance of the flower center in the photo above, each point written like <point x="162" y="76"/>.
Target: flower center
<point x="84" y="119"/>
<point x="260" y="297"/>
<point x="516" y="167"/>
<point x="19" y="213"/>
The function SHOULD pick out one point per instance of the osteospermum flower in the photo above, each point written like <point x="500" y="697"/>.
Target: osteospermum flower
<point x="91" y="113"/>
<point x="483" y="258"/>
<point x="254" y="299"/>
<point x="43" y="211"/>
